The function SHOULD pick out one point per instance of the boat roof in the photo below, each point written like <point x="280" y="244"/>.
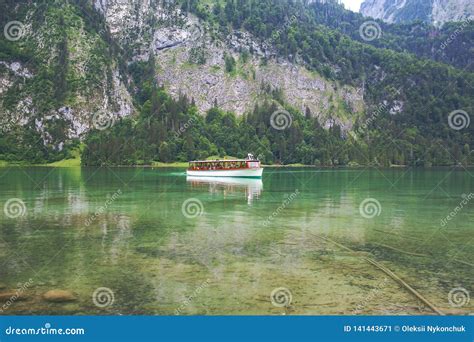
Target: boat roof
<point x="223" y="160"/>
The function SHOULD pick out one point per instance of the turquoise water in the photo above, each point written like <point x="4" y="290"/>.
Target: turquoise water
<point x="164" y="244"/>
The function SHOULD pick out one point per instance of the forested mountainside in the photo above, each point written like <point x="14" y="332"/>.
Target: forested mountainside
<point x="435" y="12"/>
<point x="143" y="81"/>
<point x="417" y="37"/>
<point x="59" y="74"/>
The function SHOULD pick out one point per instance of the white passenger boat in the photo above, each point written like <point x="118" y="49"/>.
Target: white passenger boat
<point x="247" y="168"/>
<point x="229" y="186"/>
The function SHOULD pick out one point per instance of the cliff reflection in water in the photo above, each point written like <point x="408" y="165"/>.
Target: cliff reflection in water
<point x="229" y="186"/>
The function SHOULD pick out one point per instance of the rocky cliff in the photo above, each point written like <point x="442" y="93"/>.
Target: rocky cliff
<point x="191" y="60"/>
<point x="436" y="12"/>
<point x="63" y="78"/>
<point x="68" y="67"/>
<point x="57" y="73"/>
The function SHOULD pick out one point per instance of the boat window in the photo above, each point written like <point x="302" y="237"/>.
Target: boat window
<point x="223" y="165"/>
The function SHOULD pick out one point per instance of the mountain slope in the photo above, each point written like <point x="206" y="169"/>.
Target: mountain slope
<point x="191" y="59"/>
<point x="180" y="80"/>
<point x="59" y="77"/>
<point x="436" y="12"/>
<point x="451" y="44"/>
<point x="407" y="101"/>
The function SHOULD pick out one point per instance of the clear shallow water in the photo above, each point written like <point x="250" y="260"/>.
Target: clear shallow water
<point x="234" y="242"/>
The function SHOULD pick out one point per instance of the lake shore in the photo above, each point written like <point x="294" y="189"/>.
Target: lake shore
<point x="76" y="162"/>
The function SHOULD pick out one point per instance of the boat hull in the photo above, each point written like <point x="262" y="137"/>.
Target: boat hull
<point x="242" y="173"/>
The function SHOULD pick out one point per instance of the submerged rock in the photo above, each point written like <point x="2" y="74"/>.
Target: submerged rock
<point x="456" y="311"/>
<point x="11" y="296"/>
<point x="59" y="296"/>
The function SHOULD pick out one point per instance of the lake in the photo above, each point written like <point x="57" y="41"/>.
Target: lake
<point x="138" y="241"/>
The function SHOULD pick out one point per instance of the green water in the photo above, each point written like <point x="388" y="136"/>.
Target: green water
<point x="236" y="241"/>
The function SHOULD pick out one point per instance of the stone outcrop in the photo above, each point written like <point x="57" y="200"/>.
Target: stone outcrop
<point x="436" y="12"/>
<point x="59" y="296"/>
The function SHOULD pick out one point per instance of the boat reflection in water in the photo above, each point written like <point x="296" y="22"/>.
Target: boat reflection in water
<point x="251" y="187"/>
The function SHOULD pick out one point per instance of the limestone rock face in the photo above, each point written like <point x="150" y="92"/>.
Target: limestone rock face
<point x="93" y="82"/>
<point x="190" y="60"/>
<point x="436" y="12"/>
<point x="175" y="37"/>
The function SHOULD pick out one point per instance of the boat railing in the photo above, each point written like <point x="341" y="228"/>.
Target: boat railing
<point x="224" y="165"/>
